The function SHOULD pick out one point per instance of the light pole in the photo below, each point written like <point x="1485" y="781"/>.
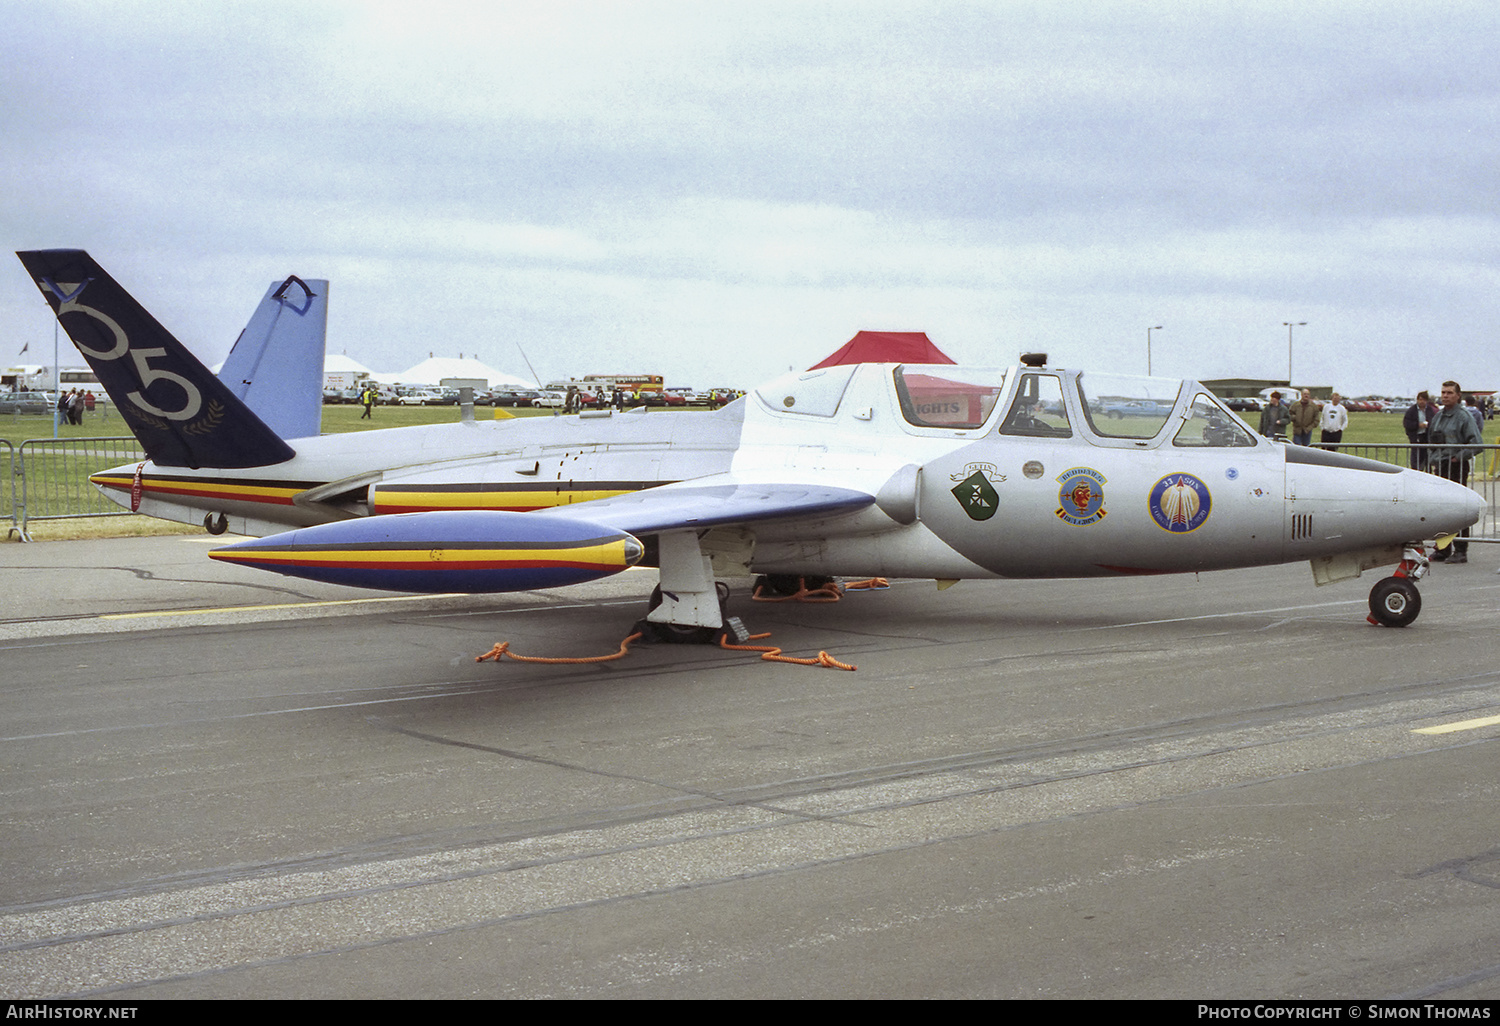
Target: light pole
<point x="1289" y="326"/>
<point x="1148" y="348"/>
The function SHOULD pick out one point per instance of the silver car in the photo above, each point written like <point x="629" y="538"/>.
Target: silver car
<point x="25" y="402"/>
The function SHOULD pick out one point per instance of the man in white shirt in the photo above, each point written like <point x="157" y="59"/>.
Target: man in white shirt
<point x="1335" y="419"/>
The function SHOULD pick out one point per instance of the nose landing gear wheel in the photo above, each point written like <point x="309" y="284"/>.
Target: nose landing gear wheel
<point x="1394" y="602"/>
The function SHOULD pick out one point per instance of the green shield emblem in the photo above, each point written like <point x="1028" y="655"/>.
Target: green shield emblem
<point x="977" y="496"/>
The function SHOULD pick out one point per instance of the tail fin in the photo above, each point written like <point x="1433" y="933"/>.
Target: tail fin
<point x="182" y="414"/>
<point x="276" y="365"/>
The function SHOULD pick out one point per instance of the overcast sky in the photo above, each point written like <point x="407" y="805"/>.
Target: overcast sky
<point x="718" y="191"/>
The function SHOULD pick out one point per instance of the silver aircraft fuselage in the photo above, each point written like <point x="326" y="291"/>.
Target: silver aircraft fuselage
<point x="1025" y="472"/>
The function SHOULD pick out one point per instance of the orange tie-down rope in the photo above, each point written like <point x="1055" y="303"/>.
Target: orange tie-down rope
<point x="772" y="654"/>
<point x="503" y="650"/>
<point x="769" y="653"/>
<point x="830" y="592"/>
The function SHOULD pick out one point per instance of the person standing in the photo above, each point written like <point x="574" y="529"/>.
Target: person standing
<point x="1275" y="417"/>
<point x="1331" y="426"/>
<point x="1454" y="440"/>
<point x="367" y="399"/>
<point x="1418" y="416"/>
<point x="1305" y="416"/>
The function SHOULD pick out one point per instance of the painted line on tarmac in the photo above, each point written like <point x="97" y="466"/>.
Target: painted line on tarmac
<point x="50" y="630"/>
<point x="1225" y="615"/>
<point x="274" y="605"/>
<point x="1452" y="728"/>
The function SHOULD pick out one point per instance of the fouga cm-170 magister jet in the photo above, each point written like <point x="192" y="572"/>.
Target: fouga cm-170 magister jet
<point x="917" y="471"/>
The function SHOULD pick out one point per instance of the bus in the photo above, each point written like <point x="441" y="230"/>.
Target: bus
<point x="624" y="382"/>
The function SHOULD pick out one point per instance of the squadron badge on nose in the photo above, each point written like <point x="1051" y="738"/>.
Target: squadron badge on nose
<point x="1179" y="503"/>
<point x="1081" y="496"/>
<point x="977" y="496"/>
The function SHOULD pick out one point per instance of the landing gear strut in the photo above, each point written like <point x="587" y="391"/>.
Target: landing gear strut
<point x="681" y="633"/>
<point x="1395" y="601"/>
<point x="688" y="606"/>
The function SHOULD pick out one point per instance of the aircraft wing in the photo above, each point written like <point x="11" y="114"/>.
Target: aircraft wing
<point x="495" y="550"/>
<point x="713" y="502"/>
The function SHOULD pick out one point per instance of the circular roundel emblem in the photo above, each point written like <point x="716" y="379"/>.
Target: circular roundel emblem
<point x="1179" y="503"/>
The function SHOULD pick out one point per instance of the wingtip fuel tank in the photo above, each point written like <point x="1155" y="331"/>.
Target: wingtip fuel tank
<point x="466" y="551"/>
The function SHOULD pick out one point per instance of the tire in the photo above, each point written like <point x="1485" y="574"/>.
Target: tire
<point x="1395" y="602"/>
<point x="684" y="634"/>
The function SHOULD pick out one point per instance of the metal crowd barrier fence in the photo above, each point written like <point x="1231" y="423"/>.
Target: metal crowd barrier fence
<point x="54" y="475"/>
<point x="1484" y="475"/>
<point x="8" y="493"/>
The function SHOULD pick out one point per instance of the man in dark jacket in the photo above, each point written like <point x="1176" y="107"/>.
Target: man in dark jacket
<point x="1416" y="421"/>
<point x="1275" y="417"/>
<point x="1455" y="440"/>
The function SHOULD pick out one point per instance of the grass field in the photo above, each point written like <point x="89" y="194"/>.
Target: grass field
<point x="62" y="484"/>
<point x="1364" y="428"/>
<point x="336" y="419"/>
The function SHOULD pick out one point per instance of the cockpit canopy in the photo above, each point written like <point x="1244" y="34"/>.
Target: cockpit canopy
<point x="1106" y="409"/>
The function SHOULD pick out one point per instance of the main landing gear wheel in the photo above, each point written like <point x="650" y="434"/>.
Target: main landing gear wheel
<point x="681" y="633"/>
<point x="787" y="585"/>
<point x="215" y="523"/>
<point x="1394" y="602"/>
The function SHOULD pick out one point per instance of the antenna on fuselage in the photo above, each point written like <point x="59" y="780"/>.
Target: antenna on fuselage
<point x="529" y="366"/>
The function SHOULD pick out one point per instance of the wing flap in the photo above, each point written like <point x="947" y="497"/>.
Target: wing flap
<point x="706" y="503"/>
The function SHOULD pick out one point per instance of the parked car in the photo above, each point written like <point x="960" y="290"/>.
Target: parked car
<point x="509" y="397"/>
<point x="553" y="400"/>
<point x="1119" y="409"/>
<point x="26" y="402"/>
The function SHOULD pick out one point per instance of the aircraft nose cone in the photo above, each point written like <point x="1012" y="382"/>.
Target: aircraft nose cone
<point x="1446" y="506"/>
<point x="1477" y="505"/>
